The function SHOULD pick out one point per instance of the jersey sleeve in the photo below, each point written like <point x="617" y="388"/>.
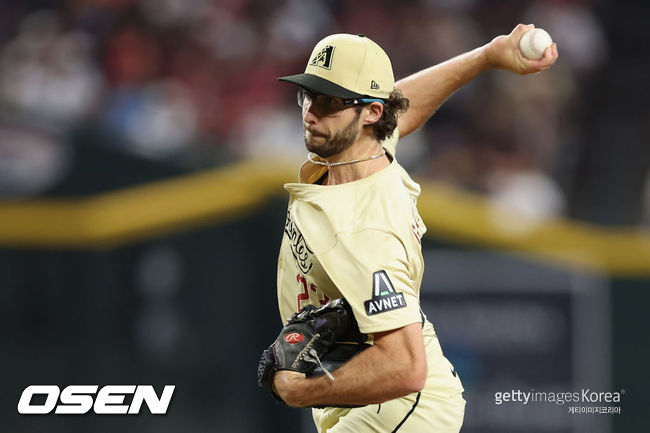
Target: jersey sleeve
<point x="371" y="270"/>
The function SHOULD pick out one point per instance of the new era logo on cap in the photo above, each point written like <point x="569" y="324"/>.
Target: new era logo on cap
<point x="324" y="58"/>
<point x="374" y="85"/>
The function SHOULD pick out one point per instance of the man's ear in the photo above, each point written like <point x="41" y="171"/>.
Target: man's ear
<point x="372" y="112"/>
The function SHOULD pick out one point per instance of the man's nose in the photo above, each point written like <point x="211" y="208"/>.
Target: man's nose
<point x="309" y="113"/>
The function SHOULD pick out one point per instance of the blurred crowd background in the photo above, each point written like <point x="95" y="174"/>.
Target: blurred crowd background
<point x="191" y="84"/>
<point x="100" y="95"/>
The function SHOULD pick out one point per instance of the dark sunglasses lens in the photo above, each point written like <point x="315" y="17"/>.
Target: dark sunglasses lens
<point x="325" y="103"/>
<point x="329" y="104"/>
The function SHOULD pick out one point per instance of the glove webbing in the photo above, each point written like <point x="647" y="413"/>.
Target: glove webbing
<point x="308" y="354"/>
<point x="313" y="353"/>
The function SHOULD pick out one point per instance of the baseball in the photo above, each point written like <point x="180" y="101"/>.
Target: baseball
<point x="533" y="43"/>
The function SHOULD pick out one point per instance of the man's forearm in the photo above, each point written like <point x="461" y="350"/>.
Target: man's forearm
<point x="393" y="367"/>
<point x="363" y="380"/>
<point x="428" y="89"/>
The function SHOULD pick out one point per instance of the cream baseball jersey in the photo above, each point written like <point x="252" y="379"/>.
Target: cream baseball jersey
<point x="361" y="241"/>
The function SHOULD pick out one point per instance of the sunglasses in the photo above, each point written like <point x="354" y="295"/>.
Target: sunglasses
<point x="329" y="104"/>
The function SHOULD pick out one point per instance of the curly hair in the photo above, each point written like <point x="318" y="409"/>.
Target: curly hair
<point x="394" y="106"/>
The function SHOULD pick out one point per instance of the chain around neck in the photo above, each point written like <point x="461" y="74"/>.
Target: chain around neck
<point x="311" y="156"/>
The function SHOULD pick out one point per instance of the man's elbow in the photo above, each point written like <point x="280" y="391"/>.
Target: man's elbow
<point x="419" y="381"/>
<point x="416" y="378"/>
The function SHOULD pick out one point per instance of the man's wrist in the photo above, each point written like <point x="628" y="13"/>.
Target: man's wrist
<point x="486" y="58"/>
<point x="289" y="387"/>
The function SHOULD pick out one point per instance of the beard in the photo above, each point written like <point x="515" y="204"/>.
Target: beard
<point x="333" y="144"/>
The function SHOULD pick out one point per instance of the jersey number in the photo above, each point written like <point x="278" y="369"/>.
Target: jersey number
<point x="303" y="295"/>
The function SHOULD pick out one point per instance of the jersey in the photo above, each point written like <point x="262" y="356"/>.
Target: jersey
<point x="362" y="241"/>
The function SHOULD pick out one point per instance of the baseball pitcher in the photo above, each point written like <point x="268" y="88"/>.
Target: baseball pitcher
<point x="356" y="346"/>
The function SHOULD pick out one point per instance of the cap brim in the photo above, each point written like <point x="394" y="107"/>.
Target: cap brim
<point x="320" y="85"/>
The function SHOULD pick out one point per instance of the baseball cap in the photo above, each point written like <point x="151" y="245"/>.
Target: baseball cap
<point x="347" y="66"/>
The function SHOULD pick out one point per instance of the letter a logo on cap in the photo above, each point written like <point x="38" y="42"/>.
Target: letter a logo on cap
<point x="324" y="58"/>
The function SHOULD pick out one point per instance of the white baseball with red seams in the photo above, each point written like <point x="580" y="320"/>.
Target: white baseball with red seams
<point x="533" y="43"/>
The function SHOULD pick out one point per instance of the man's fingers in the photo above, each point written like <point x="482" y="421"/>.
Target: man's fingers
<point x="520" y="29"/>
<point x="547" y="60"/>
<point x="550" y="54"/>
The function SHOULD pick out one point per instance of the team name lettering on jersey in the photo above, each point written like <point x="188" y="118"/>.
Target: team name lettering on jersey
<point x="299" y="248"/>
<point x="384" y="297"/>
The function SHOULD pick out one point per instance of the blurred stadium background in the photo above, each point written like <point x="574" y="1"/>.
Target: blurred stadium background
<point x="143" y="148"/>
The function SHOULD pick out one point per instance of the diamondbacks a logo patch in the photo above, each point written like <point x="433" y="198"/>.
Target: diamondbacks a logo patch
<point x="384" y="297"/>
<point x="324" y="58"/>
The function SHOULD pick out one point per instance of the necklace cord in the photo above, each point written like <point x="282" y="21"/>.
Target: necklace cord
<point x="311" y="156"/>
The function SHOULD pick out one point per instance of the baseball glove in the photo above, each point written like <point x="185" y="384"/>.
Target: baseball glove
<point x="308" y="343"/>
